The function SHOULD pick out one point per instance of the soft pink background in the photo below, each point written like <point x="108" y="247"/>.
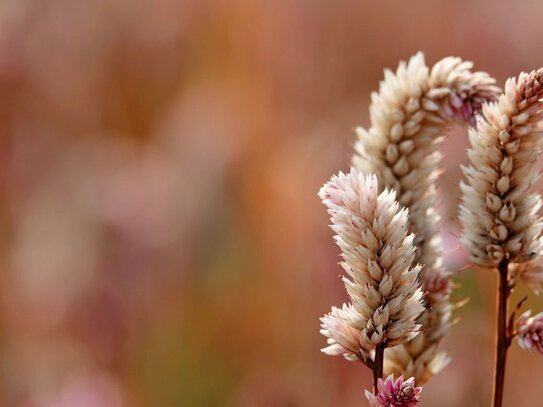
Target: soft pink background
<point x="162" y="243"/>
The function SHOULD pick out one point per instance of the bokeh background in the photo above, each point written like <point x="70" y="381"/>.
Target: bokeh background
<point x="161" y="240"/>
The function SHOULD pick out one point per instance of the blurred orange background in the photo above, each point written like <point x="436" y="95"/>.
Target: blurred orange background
<point x="162" y="243"/>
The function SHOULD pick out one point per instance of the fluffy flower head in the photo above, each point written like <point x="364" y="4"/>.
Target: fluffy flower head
<point x="410" y="115"/>
<point x="377" y="254"/>
<point x="498" y="214"/>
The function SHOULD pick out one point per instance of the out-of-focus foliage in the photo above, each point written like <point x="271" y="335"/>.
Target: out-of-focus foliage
<point x="161" y="239"/>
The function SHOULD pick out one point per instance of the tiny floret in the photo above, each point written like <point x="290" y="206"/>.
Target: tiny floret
<point x="530" y="331"/>
<point x="343" y="338"/>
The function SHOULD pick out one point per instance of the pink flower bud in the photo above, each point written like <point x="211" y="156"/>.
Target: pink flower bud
<point x="395" y="393"/>
<point x="530" y="331"/>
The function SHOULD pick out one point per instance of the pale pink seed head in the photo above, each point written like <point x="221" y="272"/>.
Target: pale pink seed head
<point x="377" y="255"/>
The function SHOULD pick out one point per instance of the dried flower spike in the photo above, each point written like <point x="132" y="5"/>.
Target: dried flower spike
<point x="409" y="117"/>
<point x="500" y="221"/>
<point x="377" y="254"/>
<point x="530" y="331"/>
<point x="499" y="217"/>
<point x="395" y="393"/>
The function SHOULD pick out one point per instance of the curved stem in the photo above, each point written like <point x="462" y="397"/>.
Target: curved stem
<point x="502" y="337"/>
<point x="378" y="365"/>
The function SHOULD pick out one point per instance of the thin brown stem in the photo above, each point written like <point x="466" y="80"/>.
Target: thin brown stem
<point x="378" y="365"/>
<point x="503" y="339"/>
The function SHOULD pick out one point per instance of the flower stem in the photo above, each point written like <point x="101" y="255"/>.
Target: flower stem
<point x="502" y="337"/>
<point x="378" y="365"/>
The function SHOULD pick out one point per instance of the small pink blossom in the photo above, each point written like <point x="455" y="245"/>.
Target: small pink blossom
<point x="395" y="393"/>
<point x="530" y="331"/>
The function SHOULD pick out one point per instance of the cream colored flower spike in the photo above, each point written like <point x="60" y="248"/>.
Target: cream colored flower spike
<point x="377" y="253"/>
<point x="409" y="117"/>
<point x="498" y="214"/>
